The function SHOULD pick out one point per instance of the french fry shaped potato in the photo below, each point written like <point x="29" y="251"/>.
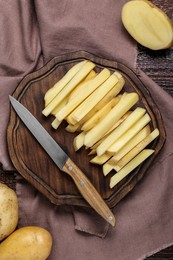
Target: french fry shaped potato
<point x="52" y="92"/>
<point x="123" y="140"/>
<point x="95" y="97"/>
<point x="100" y="159"/>
<point x="128" y="168"/>
<point x="99" y="115"/>
<point x="78" y="77"/>
<point x="112" y="117"/>
<point x="78" y="141"/>
<point x="87" y="88"/>
<point x="131" y="144"/>
<point x="136" y="150"/>
<point x="120" y="130"/>
<point x="78" y="88"/>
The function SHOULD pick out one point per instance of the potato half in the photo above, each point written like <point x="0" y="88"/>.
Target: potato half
<point x="147" y="24"/>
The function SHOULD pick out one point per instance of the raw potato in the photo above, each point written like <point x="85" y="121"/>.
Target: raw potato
<point x="131" y="144"/>
<point x="99" y="115"/>
<point x="119" y="131"/>
<point x="105" y="122"/>
<point x="92" y="100"/>
<point x="141" y="157"/>
<point x="8" y="211"/>
<point x="52" y="92"/>
<point x="113" y="116"/>
<point x="27" y="243"/>
<point x="100" y="159"/>
<point x="136" y="150"/>
<point x="123" y="140"/>
<point x="147" y="24"/>
<point x="83" y="93"/>
<point x="78" y="77"/>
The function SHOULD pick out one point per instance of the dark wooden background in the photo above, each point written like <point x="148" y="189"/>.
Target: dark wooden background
<point x="159" y="66"/>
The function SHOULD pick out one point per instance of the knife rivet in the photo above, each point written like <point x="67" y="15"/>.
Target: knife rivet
<point x="82" y="183"/>
<point x="70" y="168"/>
<point x="110" y="218"/>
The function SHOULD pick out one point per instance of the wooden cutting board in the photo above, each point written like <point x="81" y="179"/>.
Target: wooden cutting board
<point x="32" y="162"/>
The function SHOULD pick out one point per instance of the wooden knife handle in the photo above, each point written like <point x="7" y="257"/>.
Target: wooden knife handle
<point x="88" y="191"/>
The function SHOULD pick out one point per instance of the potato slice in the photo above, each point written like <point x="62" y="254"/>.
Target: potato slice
<point x="52" y="92"/>
<point x="123" y="140"/>
<point x="79" y="76"/>
<point x="120" y="130"/>
<point x="87" y="89"/>
<point x="96" y="133"/>
<point x="131" y="144"/>
<point x="141" y="157"/>
<point x="136" y="150"/>
<point x="147" y="24"/>
<point x="95" y="97"/>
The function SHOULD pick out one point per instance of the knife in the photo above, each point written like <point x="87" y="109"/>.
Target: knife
<point x="64" y="163"/>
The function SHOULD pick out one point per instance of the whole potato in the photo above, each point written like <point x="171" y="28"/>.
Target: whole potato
<point x="27" y="243"/>
<point x="8" y="211"/>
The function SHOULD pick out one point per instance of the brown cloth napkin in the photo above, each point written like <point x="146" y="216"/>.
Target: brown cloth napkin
<point x="33" y="32"/>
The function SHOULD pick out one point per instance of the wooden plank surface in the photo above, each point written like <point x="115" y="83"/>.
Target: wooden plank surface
<point x="159" y="66"/>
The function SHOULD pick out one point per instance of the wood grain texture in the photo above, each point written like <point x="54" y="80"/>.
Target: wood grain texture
<point x="159" y="66"/>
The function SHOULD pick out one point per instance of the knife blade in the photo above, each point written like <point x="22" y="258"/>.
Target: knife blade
<point x="64" y="163"/>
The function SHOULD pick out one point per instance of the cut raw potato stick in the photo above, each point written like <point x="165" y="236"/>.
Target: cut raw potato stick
<point x="73" y="128"/>
<point x="97" y="132"/>
<point x="148" y="24"/>
<point x="119" y="122"/>
<point x="78" y="77"/>
<point x="83" y="93"/>
<point x="125" y="138"/>
<point x="52" y="92"/>
<point x="78" y="141"/>
<point x="111" y="94"/>
<point x="95" y="97"/>
<point x="141" y="157"/>
<point x="59" y="106"/>
<point x="107" y="168"/>
<point x="137" y="149"/>
<point x="77" y="89"/>
<point x="131" y="144"/>
<point x="100" y="159"/>
<point x="99" y="115"/>
<point x="108" y="132"/>
<point x="120" y="130"/>
<point x="56" y="123"/>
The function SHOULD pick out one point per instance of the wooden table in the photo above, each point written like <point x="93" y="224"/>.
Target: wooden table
<point x="157" y="65"/>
